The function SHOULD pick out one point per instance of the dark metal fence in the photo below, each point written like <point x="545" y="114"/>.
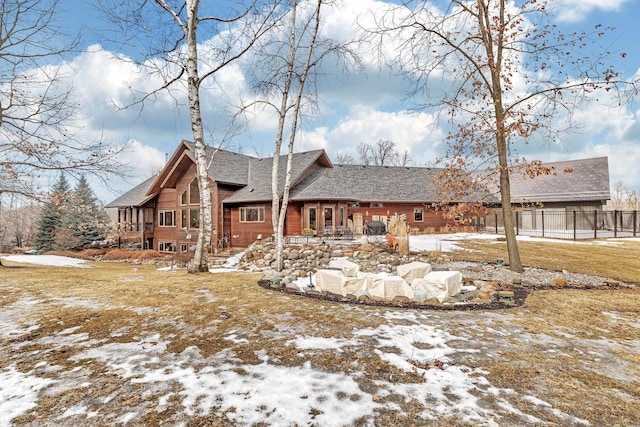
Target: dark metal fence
<point x="569" y="224"/>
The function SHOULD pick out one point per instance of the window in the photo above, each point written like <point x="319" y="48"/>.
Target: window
<point x="377" y="205"/>
<point x="254" y="214"/>
<point x="166" y="218"/>
<point x="194" y="192"/>
<point x="194" y="218"/>
<point x="190" y="218"/>
<point x="191" y="195"/>
<point x="183" y="218"/>
<point x="166" y="247"/>
<point x="313" y="219"/>
<point x="418" y="215"/>
<point x="183" y="248"/>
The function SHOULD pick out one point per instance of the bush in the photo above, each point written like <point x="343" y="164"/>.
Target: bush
<point x="135" y="255"/>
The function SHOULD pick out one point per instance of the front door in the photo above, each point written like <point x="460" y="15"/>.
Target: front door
<point x="357" y="223"/>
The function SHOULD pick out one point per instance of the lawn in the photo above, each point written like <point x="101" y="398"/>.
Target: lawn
<point x="119" y="344"/>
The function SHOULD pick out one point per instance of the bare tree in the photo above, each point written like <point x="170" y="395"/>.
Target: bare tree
<point x="180" y="61"/>
<point x="18" y="219"/>
<point x="624" y="197"/>
<point x="618" y="195"/>
<point x="287" y="82"/>
<point x="633" y="198"/>
<point x="38" y="132"/>
<point x="382" y="153"/>
<point x="500" y="72"/>
<point x="343" y="159"/>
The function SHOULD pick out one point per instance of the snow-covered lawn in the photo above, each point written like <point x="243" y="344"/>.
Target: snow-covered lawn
<point x="269" y="391"/>
<point x="386" y="366"/>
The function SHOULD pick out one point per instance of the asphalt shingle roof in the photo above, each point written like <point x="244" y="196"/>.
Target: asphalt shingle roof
<point x="587" y="180"/>
<point x="137" y="196"/>
<point x="369" y="183"/>
<point x="315" y="178"/>
<point x="229" y="167"/>
<point x="259" y="176"/>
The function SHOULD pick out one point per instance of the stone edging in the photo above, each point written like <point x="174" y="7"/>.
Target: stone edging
<point x="520" y="295"/>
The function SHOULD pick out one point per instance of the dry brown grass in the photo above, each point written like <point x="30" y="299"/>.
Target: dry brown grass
<point x="620" y="261"/>
<point x="576" y="350"/>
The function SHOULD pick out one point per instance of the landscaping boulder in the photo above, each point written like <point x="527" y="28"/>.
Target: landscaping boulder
<point x="337" y="283"/>
<point x="348" y="268"/>
<point x="388" y="287"/>
<point x="413" y="270"/>
<point x="440" y="284"/>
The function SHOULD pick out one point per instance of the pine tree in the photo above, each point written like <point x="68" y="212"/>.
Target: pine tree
<point x="51" y="218"/>
<point x="84" y="221"/>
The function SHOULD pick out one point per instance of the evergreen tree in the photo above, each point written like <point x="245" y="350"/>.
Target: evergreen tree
<point x="51" y="217"/>
<point x="84" y="221"/>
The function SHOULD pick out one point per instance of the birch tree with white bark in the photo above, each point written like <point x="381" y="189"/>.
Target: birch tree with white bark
<point x="286" y="83"/>
<point x="173" y="53"/>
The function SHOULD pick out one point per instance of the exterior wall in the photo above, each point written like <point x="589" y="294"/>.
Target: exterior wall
<point x="588" y="206"/>
<point x="431" y="220"/>
<point x="293" y="225"/>
<point x="222" y="192"/>
<point x="166" y="201"/>
<point x="245" y="233"/>
<point x="183" y="236"/>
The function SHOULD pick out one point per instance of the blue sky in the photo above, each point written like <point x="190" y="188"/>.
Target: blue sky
<point x="364" y="107"/>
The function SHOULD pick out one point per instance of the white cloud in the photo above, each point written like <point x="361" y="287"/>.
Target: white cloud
<point x="362" y="107"/>
<point x="142" y="161"/>
<point x="412" y="132"/>
<point x="578" y="10"/>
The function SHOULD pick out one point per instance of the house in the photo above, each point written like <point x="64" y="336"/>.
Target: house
<point x="162" y="213"/>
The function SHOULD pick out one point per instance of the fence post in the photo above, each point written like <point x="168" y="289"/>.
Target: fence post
<point x="496" y="223"/>
<point x="517" y="224"/>
<point x="635" y="222"/>
<point x="574" y="225"/>
<point x="595" y="223"/>
<point x="542" y="223"/>
<point x="615" y="223"/>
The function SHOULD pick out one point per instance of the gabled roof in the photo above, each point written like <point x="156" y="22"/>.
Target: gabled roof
<point x="574" y="180"/>
<point x="369" y="184"/>
<point x="225" y="167"/>
<point x="258" y="188"/>
<point x="228" y="167"/>
<point x="135" y="197"/>
<point x="314" y="177"/>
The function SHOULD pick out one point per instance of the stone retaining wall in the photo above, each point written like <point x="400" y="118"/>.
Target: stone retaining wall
<point x="299" y="261"/>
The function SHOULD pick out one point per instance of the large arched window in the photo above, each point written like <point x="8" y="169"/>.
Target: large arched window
<point x="190" y="199"/>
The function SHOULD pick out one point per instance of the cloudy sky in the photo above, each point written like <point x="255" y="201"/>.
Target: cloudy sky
<point x="363" y="106"/>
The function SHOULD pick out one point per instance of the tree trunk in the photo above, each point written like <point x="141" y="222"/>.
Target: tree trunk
<point x="294" y="120"/>
<point x="276" y="210"/>
<point x="495" y="65"/>
<point x="515" y="264"/>
<point x="200" y="259"/>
